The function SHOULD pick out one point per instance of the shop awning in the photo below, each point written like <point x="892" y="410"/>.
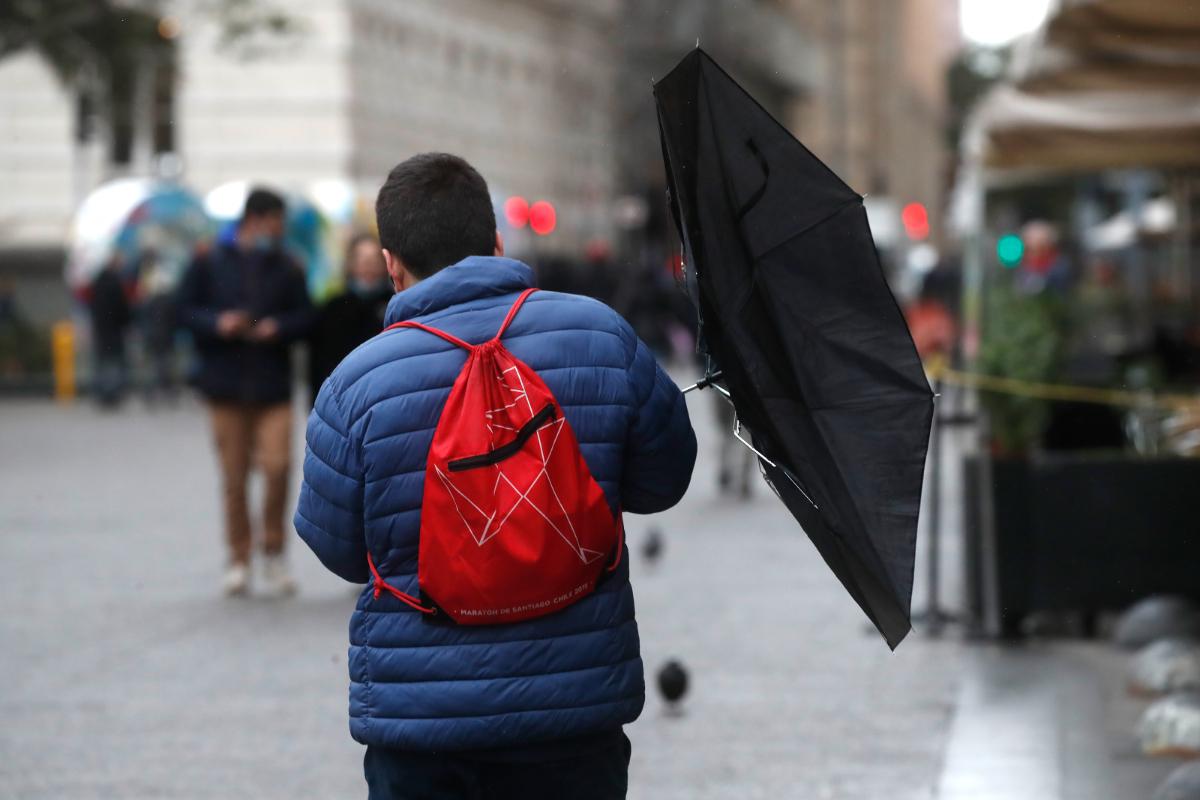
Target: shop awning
<point x="1104" y="84"/>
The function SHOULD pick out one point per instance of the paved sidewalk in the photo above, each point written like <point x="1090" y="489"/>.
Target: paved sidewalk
<point x="127" y="675"/>
<point x="1047" y="722"/>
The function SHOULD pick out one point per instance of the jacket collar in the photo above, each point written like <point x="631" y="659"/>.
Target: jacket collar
<point x="473" y="278"/>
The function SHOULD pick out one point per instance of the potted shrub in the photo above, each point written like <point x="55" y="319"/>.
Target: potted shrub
<point x="1075" y="530"/>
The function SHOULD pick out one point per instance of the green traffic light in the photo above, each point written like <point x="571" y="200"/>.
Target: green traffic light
<point x="1010" y="249"/>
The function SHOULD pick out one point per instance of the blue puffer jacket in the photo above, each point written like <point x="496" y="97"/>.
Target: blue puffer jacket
<point x="417" y="685"/>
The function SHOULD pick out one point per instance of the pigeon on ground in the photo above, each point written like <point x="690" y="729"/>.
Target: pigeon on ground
<point x="653" y="546"/>
<point x="672" y="683"/>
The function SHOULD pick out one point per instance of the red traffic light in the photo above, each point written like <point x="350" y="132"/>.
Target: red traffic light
<point x="516" y="211"/>
<point x="542" y="217"/>
<point x="916" y="221"/>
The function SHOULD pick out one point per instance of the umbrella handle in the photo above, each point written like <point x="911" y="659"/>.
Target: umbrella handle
<point x="708" y="382"/>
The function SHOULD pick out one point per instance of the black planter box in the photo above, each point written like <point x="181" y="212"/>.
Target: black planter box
<point x="1084" y="533"/>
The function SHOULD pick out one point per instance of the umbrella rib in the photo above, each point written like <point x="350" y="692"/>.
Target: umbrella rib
<point x="787" y="473"/>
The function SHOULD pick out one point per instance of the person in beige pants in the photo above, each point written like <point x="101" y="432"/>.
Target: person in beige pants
<point x="245" y="437"/>
<point x="245" y="303"/>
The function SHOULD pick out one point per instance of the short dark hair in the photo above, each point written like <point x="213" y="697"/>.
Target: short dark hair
<point x="261" y="202"/>
<point x="434" y="210"/>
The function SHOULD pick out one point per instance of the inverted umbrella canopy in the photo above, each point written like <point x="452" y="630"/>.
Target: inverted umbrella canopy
<point x="811" y="345"/>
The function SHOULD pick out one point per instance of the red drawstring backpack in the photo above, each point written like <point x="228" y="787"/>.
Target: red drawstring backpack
<point x="513" y="525"/>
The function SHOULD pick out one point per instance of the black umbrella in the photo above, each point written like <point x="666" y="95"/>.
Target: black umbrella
<point x="811" y="346"/>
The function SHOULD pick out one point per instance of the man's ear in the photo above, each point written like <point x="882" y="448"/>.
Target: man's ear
<point x="401" y="277"/>
<point x="499" y="251"/>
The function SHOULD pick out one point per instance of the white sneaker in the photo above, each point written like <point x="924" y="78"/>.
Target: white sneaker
<point x="237" y="580"/>
<point x="277" y="578"/>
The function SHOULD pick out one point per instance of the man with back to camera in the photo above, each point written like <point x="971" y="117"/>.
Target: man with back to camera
<point x="530" y="709"/>
<point x="245" y="302"/>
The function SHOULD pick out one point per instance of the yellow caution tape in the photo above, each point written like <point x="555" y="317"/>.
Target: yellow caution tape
<point x="1057" y="391"/>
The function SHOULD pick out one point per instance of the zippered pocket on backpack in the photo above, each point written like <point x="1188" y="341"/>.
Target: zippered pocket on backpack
<point x="493" y="457"/>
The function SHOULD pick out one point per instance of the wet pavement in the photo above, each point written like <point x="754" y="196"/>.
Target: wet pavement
<point x="127" y="675"/>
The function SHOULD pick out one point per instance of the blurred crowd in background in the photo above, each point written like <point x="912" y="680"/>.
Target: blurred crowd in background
<point x="1029" y="171"/>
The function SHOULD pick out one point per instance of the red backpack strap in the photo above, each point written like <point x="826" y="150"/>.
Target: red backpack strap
<point x="382" y="585"/>
<point x="454" y="340"/>
<point x="512" y="312"/>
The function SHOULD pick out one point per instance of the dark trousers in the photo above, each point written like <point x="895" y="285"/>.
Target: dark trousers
<point x="400" y="775"/>
<point x="112" y="376"/>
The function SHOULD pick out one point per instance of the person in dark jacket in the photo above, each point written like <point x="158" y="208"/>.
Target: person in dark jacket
<point x="156" y="318"/>
<point x="245" y="302"/>
<point x="352" y="317"/>
<point x="111" y="316"/>
<point x="532" y="709"/>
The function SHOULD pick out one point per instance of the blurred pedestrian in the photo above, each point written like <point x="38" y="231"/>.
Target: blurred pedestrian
<point x="439" y="708"/>
<point x="111" y="317"/>
<point x="245" y="302"/>
<point x="1044" y="267"/>
<point x="931" y="324"/>
<point x="647" y="298"/>
<point x="156" y="319"/>
<point x="352" y="317"/>
<point x="597" y="274"/>
<point x="12" y="330"/>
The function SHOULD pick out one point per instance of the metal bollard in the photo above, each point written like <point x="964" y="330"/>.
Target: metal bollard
<point x="62" y="348"/>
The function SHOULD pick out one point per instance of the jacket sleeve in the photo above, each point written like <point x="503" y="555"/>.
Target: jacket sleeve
<point x="296" y="320"/>
<point x="660" y="449"/>
<point x="329" y="516"/>
<point x="192" y="300"/>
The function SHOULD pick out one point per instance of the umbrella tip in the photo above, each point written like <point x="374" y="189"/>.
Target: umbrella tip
<point x="697" y="42"/>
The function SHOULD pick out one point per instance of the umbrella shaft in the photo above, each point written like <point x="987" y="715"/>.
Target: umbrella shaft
<point x="706" y="382"/>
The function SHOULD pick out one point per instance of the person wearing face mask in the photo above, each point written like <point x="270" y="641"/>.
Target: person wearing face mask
<point x="245" y="302"/>
<point x="350" y="318"/>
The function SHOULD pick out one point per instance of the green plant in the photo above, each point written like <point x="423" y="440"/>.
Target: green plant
<point x="1022" y="340"/>
<point x="24" y="350"/>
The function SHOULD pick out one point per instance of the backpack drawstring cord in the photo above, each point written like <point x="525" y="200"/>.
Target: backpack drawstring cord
<point x="380" y="584"/>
